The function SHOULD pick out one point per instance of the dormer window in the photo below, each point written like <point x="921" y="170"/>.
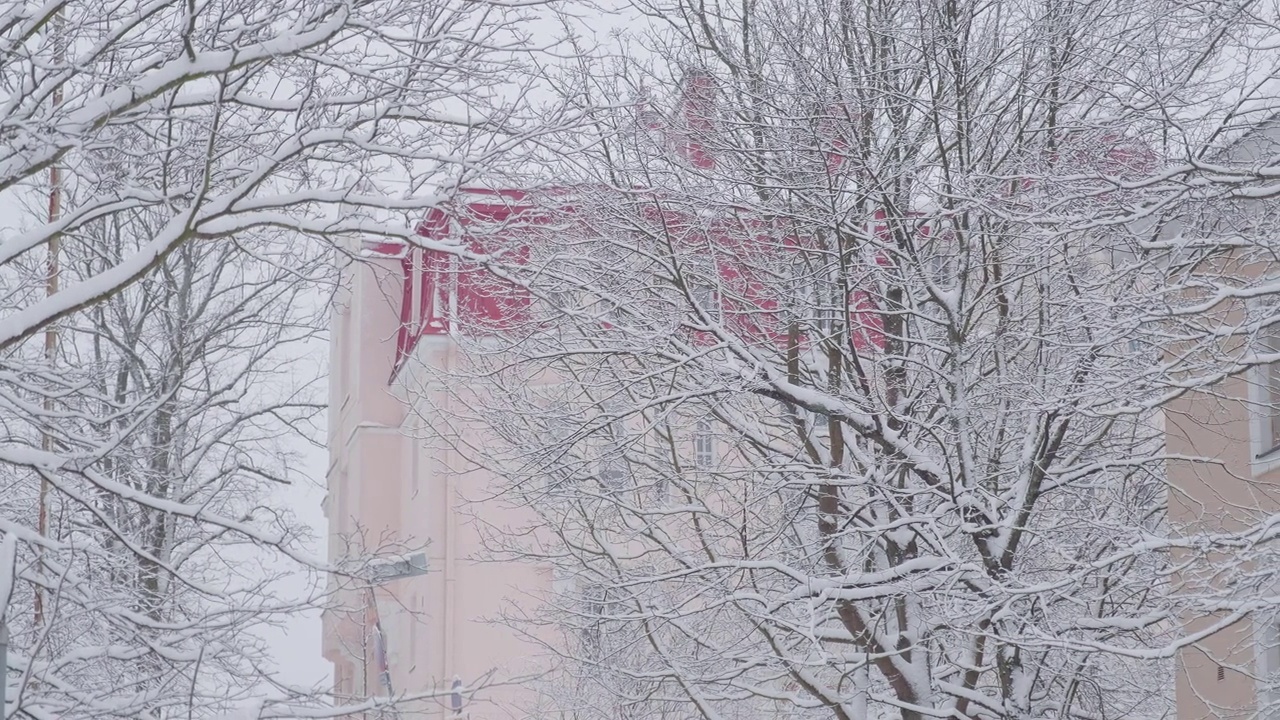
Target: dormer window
<point x="705" y="295"/>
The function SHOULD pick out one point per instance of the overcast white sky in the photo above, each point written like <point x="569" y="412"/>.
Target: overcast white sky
<point x="296" y="644"/>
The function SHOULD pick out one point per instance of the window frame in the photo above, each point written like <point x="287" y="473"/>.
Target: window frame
<point x="706" y="297"/>
<point x="1271" y="390"/>
<point x="704" y="447"/>
<point x="563" y="434"/>
<point x="1264" y="405"/>
<point x="1266" y="646"/>
<point x="611" y="467"/>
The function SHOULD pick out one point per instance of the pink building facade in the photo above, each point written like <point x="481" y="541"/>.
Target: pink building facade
<point x="388" y="489"/>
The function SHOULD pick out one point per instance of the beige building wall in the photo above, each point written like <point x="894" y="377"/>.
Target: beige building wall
<point x="1222" y="491"/>
<point x="1232" y="483"/>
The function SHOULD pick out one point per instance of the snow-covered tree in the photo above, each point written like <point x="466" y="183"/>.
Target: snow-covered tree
<point x="191" y="388"/>
<point x="841" y="391"/>
<point x="183" y="169"/>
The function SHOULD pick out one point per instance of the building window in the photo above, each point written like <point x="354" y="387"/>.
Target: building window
<point x="1271" y="394"/>
<point x="604" y="610"/>
<point x="613" y="473"/>
<point x="941" y="260"/>
<point x="596" y="609"/>
<point x="1267" y="663"/>
<point x="558" y="451"/>
<point x="613" y="465"/>
<point x="707" y="299"/>
<point x="704" y="449"/>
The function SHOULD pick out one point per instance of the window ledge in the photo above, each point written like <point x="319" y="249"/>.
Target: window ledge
<point x="1267" y="456"/>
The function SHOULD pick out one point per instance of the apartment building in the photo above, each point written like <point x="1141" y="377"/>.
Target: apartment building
<point x="439" y="630"/>
<point x="1233" y="430"/>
